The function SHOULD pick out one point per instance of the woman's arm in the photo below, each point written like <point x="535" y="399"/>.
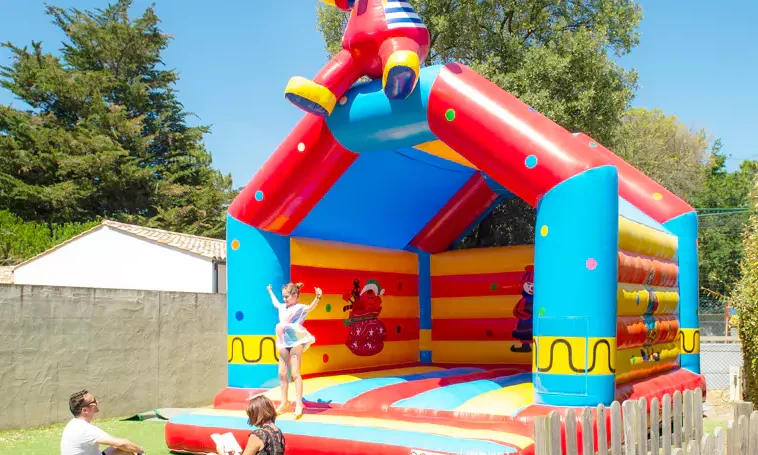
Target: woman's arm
<point x="274" y="300"/>
<point x="254" y="445"/>
<point x="313" y="304"/>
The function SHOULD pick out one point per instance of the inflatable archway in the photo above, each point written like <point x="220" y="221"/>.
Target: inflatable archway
<point x="424" y="349"/>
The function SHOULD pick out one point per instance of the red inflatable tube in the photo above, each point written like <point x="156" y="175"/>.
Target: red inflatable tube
<point x="632" y="331"/>
<point x="339" y="281"/>
<point x="235" y="396"/>
<point x="460" y="212"/>
<point x="660" y="385"/>
<point x="198" y="439"/>
<point x="384" y="397"/>
<point x="519" y="148"/>
<point x="482" y="284"/>
<point x="298" y="174"/>
<point x="637" y="269"/>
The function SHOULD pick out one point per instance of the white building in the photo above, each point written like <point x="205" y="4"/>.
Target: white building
<point x="124" y="256"/>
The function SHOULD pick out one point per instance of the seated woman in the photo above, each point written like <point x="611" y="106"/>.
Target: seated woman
<point x="267" y="439"/>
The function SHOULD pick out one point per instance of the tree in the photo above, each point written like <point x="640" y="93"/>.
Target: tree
<point x="723" y="203"/>
<point x="745" y="298"/>
<point x="21" y="240"/>
<point x="550" y="53"/>
<point x="664" y="149"/>
<point x="106" y="135"/>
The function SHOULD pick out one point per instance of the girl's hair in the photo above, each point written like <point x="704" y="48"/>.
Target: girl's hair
<point x="292" y="288"/>
<point x="260" y="411"/>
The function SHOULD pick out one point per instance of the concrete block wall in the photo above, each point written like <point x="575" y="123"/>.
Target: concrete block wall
<point x="134" y="350"/>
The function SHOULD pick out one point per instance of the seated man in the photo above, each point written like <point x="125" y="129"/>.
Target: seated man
<point x="81" y="437"/>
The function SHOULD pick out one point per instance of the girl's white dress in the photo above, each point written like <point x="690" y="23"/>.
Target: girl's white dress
<point x="290" y="331"/>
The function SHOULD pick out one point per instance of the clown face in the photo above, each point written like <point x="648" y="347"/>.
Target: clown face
<point x="529" y="288"/>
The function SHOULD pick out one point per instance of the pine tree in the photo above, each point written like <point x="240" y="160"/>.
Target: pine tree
<point x="105" y="134"/>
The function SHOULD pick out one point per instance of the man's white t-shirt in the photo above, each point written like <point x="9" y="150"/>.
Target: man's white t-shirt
<point x="80" y="438"/>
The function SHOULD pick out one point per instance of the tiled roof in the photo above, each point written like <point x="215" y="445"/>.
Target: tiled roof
<point x="203" y="246"/>
<point x="6" y="274"/>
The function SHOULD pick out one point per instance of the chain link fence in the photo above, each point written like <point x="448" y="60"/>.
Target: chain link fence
<point x="720" y="346"/>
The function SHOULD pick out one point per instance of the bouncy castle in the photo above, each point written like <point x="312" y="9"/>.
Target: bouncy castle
<point x="423" y="348"/>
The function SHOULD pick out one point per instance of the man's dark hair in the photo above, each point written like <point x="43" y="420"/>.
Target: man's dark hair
<point x="77" y="402"/>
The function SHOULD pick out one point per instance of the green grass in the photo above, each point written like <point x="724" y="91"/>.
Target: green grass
<point x="46" y="440"/>
<point x="149" y="434"/>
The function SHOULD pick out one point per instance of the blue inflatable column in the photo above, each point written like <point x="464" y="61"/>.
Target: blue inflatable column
<point x="255" y="259"/>
<point x="425" y="306"/>
<point x="685" y="228"/>
<point x="575" y="298"/>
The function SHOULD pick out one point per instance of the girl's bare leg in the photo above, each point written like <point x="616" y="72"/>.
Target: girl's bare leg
<point x="296" y="357"/>
<point x="284" y="361"/>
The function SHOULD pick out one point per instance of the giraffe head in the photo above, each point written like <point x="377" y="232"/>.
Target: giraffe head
<point x="344" y="5"/>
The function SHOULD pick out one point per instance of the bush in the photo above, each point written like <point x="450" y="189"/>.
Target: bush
<point x="745" y="298"/>
<point x="21" y="240"/>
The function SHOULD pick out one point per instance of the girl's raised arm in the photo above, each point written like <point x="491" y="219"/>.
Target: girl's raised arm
<point x="274" y="300"/>
<point x="313" y="304"/>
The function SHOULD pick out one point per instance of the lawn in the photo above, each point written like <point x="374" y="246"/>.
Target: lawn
<point x="149" y="434"/>
<point x="46" y="440"/>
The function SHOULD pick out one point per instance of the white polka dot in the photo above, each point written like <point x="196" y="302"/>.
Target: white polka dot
<point x="301" y="147"/>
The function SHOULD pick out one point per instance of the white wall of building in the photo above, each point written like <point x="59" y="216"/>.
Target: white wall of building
<point x="107" y="258"/>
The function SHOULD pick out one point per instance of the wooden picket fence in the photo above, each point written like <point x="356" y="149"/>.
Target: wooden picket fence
<point x="648" y="430"/>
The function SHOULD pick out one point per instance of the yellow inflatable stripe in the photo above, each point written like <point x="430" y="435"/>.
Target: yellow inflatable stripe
<point x="442" y="150"/>
<point x="479" y="352"/>
<point x="641" y="239"/>
<point x="513" y="439"/>
<point x="487" y="260"/>
<point x="310" y="385"/>
<point x="315" y="384"/>
<point x="394" y="372"/>
<point x="253" y="349"/>
<point x="631" y="360"/>
<point x="495" y="306"/>
<point x="505" y="401"/>
<point x="339" y="357"/>
<point x="425" y="339"/>
<point x="336" y="255"/>
<point x="629" y="294"/>
<point x="575" y="355"/>
<point x="330" y="307"/>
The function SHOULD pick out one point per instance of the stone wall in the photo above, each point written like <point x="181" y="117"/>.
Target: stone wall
<point x="134" y="350"/>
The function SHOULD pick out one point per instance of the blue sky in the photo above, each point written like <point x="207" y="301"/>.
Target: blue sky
<point x="697" y="60"/>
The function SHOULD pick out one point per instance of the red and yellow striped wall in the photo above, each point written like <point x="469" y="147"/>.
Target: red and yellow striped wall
<point x="333" y="267"/>
<point x="647" y="330"/>
<point x="474" y="293"/>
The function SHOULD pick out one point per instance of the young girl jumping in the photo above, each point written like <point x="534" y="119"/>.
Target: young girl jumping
<point x="292" y="339"/>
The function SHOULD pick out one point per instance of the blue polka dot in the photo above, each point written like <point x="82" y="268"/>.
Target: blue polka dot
<point x="530" y="161"/>
<point x="239" y="316"/>
<point x="531" y="109"/>
<point x="575" y="134"/>
<point x="259" y="195"/>
<point x="593" y="144"/>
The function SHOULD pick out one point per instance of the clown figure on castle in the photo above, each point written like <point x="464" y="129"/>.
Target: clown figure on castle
<point x="366" y="333"/>
<point x="383" y="39"/>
